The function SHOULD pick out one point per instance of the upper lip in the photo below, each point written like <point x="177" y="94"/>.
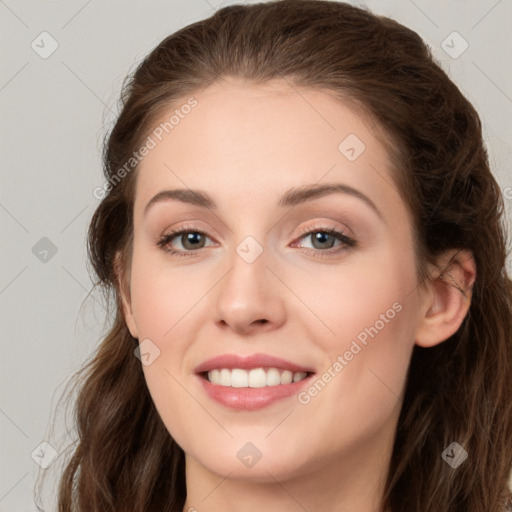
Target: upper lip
<point x="249" y="362"/>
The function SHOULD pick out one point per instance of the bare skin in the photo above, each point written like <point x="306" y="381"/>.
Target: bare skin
<point x="246" y="145"/>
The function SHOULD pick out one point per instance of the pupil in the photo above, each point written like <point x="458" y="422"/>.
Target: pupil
<point x="322" y="237"/>
<point x="192" y="238"/>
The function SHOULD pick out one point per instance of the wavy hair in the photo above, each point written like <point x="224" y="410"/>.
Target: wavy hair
<point x="460" y="390"/>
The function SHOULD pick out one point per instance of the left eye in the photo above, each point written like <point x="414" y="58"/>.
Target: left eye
<point x="323" y="239"/>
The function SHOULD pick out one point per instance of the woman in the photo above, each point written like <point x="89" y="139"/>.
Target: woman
<point x="305" y="245"/>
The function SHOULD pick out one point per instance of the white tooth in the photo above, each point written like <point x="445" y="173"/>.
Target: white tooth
<point x="299" y="376"/>
<point x="286" y="377"/>
<point x="214" y="376"/>
<point x="273" y="377"/>
<point x="239" y="378"/>
<point x="225" y="377"/>
<point x="257" y="378"/>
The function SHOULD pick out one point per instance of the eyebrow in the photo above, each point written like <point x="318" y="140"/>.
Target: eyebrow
<point x="291" y="197"/>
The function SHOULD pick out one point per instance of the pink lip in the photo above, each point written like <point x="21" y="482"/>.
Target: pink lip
<point x="250" y="399"/>
<point x="231" y="361"/>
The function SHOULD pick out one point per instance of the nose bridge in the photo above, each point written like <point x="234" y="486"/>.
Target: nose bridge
<point x="247" y="280"/>
<point x="249" y="295"/>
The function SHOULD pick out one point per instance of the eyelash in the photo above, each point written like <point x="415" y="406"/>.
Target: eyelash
<point x="346" y="241"/>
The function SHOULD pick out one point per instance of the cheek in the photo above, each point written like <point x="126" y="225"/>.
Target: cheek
<point x="163" y="307"/>
<point x="371" y="296"/>
<point x="370" y="311"/>
<point x="163" y="295"/>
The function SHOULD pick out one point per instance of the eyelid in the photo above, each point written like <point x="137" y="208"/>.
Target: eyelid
<point x="324" y="226"/>
<point x="186" y="227"/>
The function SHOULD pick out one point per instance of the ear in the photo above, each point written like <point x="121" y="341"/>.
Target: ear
<point x="447" y="298"/>
<point x="123" y="285"/>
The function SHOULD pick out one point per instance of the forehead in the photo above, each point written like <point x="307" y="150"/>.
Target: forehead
<point x="244" y="138"/>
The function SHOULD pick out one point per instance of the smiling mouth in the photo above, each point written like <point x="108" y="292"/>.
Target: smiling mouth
<point x="254" y="378"/>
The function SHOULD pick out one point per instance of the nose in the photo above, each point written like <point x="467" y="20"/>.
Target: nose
<point x="250" y="299"/>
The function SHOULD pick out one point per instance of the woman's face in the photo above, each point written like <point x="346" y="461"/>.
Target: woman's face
<point x="259" y="274"/>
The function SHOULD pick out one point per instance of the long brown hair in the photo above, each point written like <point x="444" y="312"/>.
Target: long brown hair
<point x="460" y="390"/>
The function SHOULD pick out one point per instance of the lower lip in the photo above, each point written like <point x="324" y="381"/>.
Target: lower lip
<point x="250" y="399"/>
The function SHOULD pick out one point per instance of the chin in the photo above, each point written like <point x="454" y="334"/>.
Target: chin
<point x="255" y="462"/>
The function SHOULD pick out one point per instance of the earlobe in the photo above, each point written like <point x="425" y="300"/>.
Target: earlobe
<point x="123" y="287"/>
<point x="449" y="298"/>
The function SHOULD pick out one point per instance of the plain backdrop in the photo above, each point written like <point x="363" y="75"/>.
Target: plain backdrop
<point x="55" y="110"/>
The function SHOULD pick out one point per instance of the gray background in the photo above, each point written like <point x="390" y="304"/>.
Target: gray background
<point x="54" y="113"/>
